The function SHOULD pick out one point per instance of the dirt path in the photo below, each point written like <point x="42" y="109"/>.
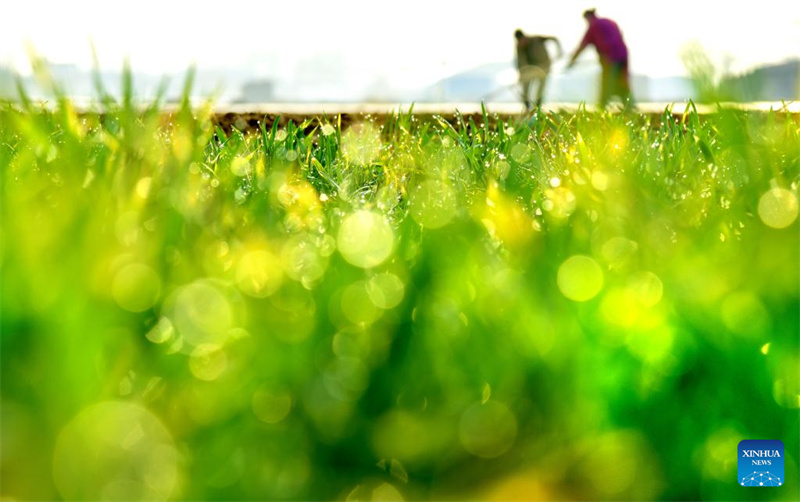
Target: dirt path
<point x="247" y="117"/>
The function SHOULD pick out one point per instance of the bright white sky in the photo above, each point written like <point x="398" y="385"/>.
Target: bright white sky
<point x="392" y="39"/>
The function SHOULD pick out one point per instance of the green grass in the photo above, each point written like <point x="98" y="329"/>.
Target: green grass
<point x="569" y="306"/>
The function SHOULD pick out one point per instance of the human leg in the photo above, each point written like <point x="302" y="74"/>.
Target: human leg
<point x="541" y="88"/>
<point x="606" y="82"/>
<point x="525" y="85"/>
<point x="624" y="84"/>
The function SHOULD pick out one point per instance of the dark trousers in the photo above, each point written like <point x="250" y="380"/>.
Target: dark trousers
<point x="614" y="81"/>
<point x="528" y="77"/>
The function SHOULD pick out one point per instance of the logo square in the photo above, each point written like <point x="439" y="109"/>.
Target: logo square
<point x="761" y="463"/>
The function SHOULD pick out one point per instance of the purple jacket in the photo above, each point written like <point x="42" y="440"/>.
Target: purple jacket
<point x="605" y="35"/>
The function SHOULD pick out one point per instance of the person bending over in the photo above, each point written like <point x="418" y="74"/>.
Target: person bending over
<point x="606" y="37"/>
<point x="533" y="63"/>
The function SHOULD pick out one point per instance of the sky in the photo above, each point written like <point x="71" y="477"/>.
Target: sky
<point x="394" y="40"/>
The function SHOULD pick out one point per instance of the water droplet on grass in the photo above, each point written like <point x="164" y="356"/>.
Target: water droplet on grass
<point x="327" y="129"/>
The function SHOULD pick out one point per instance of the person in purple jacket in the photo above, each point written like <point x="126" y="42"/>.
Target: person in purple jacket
<point x="606" y="37"/>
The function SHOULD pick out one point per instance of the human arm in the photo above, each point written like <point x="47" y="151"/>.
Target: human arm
<point x="586" y="41"/>
<point x="558" y="45"/>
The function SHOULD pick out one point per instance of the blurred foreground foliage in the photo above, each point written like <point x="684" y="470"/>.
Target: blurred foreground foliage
<point x="569" y="306"/>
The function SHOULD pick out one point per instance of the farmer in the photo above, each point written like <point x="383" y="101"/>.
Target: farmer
<point x="533" y="63"/>
<point x="606" y="37"/>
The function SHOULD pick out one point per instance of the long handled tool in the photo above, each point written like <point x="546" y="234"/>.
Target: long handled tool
<point x="527" y="74"/>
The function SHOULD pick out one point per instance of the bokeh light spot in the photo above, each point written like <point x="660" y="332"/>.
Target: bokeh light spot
<point x="143" y="187"/>
<point x="617" y="251"/>
<point x="520" y="152"/>
<point x="647" y="288"/>
<point x="560" y="202"/>
<point x="600" y="180"/>
<point x="271" y="406"/>
<point x="303" y="261"/>
<point x="136" y="287"/>
<point x="365" y="239"/>
<point x="487" y="430"/>
<point x="259" y="274"/>
<point x="115" y="450"/>
<point x="432" y="204"/>
<point x="386" y="493"/>
<point x="346" y="378"/>
<point x="327" y="129"/>
<point x="580" y="278"/>
<point x="240" y="166"/>
<point x="202" y="313"/>
<point x="620" y="307"/>
<point x="361" y="144"/>
<point x="162" y="332"/>
<point x="208" y="361"/>
<point x="744" y="314"/>
<point x="778" y="208"/>
<point x="357" y="305"/>
<point x="385" y="290"/>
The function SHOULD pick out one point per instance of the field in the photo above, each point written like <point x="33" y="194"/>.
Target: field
<point x="561" y="306"/>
